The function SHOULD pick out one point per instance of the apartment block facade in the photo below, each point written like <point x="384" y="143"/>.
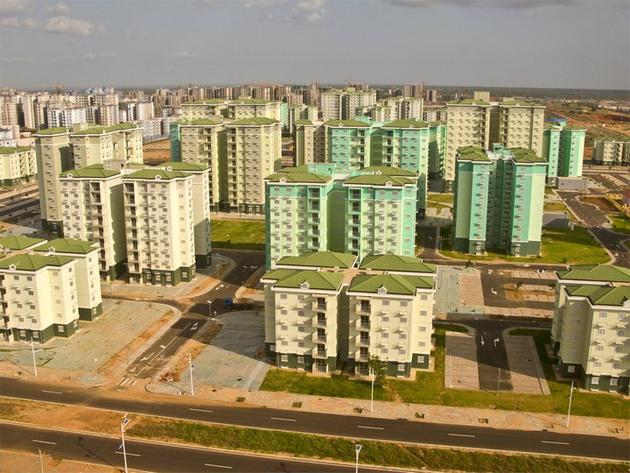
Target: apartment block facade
<point x="310" y="142"/>
<point x="563" y="149"/>
<point x="347" y="143"/>
<point x="611" y="151"/>
<point x="499" y="197"/>
<point x="96" y="145"/>
<point x="232" y="109"/>
<point x="591" y="326"/>
<point x="323" y="310"/>
<point x="17" y="165"/>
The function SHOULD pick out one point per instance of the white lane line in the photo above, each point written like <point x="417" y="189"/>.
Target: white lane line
<point x="130" y="454"/>
<point x="51" y="392"/>
<point x="371" y="427"/>
<point x="212" y="465"/>
<point x="199" y="410"/>
<point x="45" y="441"/>
<point x="462" y="435"/>
<point x="554" y="442"/>
<point x="284" y="419"/>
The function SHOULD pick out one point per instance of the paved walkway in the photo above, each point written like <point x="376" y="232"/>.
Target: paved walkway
<point x="526" y="372"/>
<point x="460" y="368"/>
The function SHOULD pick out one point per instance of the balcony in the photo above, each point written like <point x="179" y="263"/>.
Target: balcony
<point x="319" y="353"/>
<point x="363" y="341"/>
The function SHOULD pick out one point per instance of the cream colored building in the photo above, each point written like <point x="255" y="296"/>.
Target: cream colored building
<point x="521" y="125"/>
<point x="54" y="156"/>
<point x="231" y="109"/>
<point x="92" y="209"/>
<point x="591" y="326"/>
<point x="344" y="104"/>
<point x="310" y="142"/>
<point x="86" y="272"/>
<point x="321" y="310"/>
<point x="17" y="165"/>
<point x="201" y="109"/>
<point x="254" y="151"/>
<point x="611" y="151"/>
<point x="96" y="145"/>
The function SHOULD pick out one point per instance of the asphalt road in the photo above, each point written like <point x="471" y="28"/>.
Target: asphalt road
<point x="158" y="457"/>
<point x="492" y="282"/>
<point x="330" y="424"/>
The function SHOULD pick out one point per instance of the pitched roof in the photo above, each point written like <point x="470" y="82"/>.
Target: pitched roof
<point x="379" y="180"/>
<point x="296" y="279"/>
<point x="472" y="153"/>
<point x="468" y="102"/>
<point x="388" y="171"/>
<point x="601" y="295"/>
<point x="254" y="121"/>
<point x="407" y="264"/>
<point x="51" y="131"/>
<point x="406" y="123"/>
<point x="319" y="259"/>
<point x="303" y="121"/>
<point x="69" y="245"/>
<point x="200" y="122"/>
<point x="19" y="242"/>
<point x="292" y="176"/>
<point x="347" y="123"/>
<point x="14" y="149"/>
<point x="33" y="262"/>
<point x="97" y="130"/>
<point x="596" y="272"/>
<point x="391" y="283"/>
<point x="523" y="155"/>
<point x="181" y="166"/>
<point x="93" y="171"/>
<point x="154" y="173"/>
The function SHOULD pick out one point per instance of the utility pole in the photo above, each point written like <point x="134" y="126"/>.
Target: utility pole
<point x="372" y="393"/>
<point x="33" y="353"/>
<point x="357" y="450"/>
<point x="499" y="380"/>
<point x="570" y="400"/>
<point x="41" y="461"/>
<point x="190" y="369"/>
<point x="124" y="422"/>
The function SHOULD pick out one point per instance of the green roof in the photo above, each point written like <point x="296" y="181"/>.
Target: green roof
<point x="320" y="259"/>
<point x="292" y="176"/>
<point x="318" y="280"/>
<point x="405" y="124"/>
<point x="521" y="103"/>
<point x="472" y="153"/>
<point x="153" y="173"/>
<point x="69" y="245"/>
<point x="248" y="101"/>
<point x="407" y="264"/>
<point x="468" y="102"/>
<point x="97" y="130"/>
<point x="598" y="272"/>
<point x="388" y="171"/>
<point x="51" y="131"/>
<point x="14" y="149"/>
<point x="523" y="155"/>
<point x="28" y="262"/>
<point x="180" y="166"/>
<point x="205" y="102"/>
<point x="379" y="180"/>
<point x="392" y="283"/>
<point x="602" y="295"/>
<point x="347" y="123"/>
<point x="254" y="121"/>
<point x="200" y="122"/>
<point x="19" y="242"/>
<point x="303" y="121"/>
<point x="92" y="171"/>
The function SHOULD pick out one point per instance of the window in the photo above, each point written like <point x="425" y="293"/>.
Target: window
<point x="600" y="348"/>
<point x="602" y="315"/>
<point x="284" y="358"/>
<point x="385" y="319"/>
<point x="601" y="331"/>
<point x="597" y="364"/>
<point x="385" y="303"/>
<point x="423" y="312"/>
<point x="613" y="381"/>
<point x="61" y="329"/>
<point x="403" y="320"/>
<point x="621" y="333"/>
<point x="618" y="349"/>
<point x="401" y="367"/>
<point x="284" y="327"/>
<point x="595" y="380"/>
<point x="571" y="369"/>
<point x="300" y="360"/>
<point x="403" y="303"/>
<point x="424" y="297"/>
<point x="420" y="358"/>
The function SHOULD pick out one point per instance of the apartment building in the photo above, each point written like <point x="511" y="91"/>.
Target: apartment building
<point x="9" y="110"/>
<point x="38" y="297"/>
<point x="591" y="326"/>
<point x="232" y="109"/>
<point x="347" y="143"/>
<point x="310" y="142"/>
<point x="563" y="149"/>
<point x="53" y="154"/>
<point x="611" y="151"/>
<point x="93" y="210"/>
<point x="254" y="151"/>
<point x="323" y="310"/>
<point x="499" y="198"/>
<point x="96" y="145"/>
<point x="343" y="104"/>
<point x="66" y="116"/>
<point x="18" y="244"/>
<point x="521" y="125"/>
<point x="322" y="207"/>
<point x="201" y="109"/>
<point x="86" y="272"/>
<point x="17" y="165"/>
<point x="437" y="149"/>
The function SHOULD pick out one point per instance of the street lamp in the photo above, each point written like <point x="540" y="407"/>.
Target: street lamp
<point x="41" y="461"/>
<point x="570" y="401"/>
<point x="33" y="353"/>
<point x="357" y="450"/>
<point x="190" y="368"/>
<point x="372" y="391"/>
<point x="124" y="422"/>
<point x="210" y="308"/>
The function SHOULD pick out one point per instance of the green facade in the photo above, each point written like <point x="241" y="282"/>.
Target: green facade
<point x="348" y="146"/>
<point x="165" y="278"/>
<point x="42" y="336"/>
<point x="563" y="148"/>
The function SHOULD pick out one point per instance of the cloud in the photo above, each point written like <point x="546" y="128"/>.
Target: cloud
<point x="58" y="8"/>
<point x="182" y="54"/>
<point x="91" y="56"/>
<point x="13" y="6"/>
<point x="15" y="22"/>
<point x="515" y="4"/>
<point x="309" y="11"/>
<point x="71" y="26"/>
<point x="15" y="59"/>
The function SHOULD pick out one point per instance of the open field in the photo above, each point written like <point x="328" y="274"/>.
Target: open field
<point x="238" y="234"/>
<point x="157" y="152"/>
<point x="620" y="223"/>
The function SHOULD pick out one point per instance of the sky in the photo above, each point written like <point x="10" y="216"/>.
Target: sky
<point x="146" y="43"/>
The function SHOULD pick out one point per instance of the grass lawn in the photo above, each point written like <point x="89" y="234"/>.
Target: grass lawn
<point x="559" y="246"/>
<point x="428" y="388"/>
<point x="440" y="198"/>
<point x="620" y="223"/>
<point x="239" y="234"/>
<point x="342" y="449"/>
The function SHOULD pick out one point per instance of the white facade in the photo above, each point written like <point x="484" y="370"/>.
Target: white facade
<point x="16" y="165"/>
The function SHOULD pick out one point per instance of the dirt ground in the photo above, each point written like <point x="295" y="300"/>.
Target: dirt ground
<point x="27" y="462"/>
<point x="157" y="152"/>
<point x="601" y="203"/>
<point x="529" y="292"/>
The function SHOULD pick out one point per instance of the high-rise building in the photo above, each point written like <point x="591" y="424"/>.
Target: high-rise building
<point x="66" y="116"/>
<point x="9" y="110"/>
<point x="563" y="149"/>
<point x="107" y="115"/>
<point x="591" y="326"/>
<point x="413" y="90"/>
<point x="437" y="149"/>
<point x="310" y="142"/>
<point x="321" y="311"/>
<point x="96" y="145"/>
<point x="348" y="142"/>
<point x="343" y="104"/>
<point x="498" y="202"/>
<point x="521" y="125"/>
<point x="17" y="165"/>
<point x="432" y="95"/>
<point x="611" y="151"/>
<point x="92" y="210"/>
<point x="321" y="207"/>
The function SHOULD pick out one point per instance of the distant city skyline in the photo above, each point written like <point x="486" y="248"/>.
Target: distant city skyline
<point x="491" y="43"/>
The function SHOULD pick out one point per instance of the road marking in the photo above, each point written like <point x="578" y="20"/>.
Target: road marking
<point x="51" y="392"/>
<point x="199" y="410"/>
<point x="462" y="435"/>
<point x="371" y="427"/>
<point x="285" y="419"/>
<point x="130" y="454"/>
<point x="45" y="441"/>
<point x="555" y="443"/>
<point x="212" y="465"/>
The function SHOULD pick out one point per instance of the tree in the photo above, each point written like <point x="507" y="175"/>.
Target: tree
<point x="378" y="368"/>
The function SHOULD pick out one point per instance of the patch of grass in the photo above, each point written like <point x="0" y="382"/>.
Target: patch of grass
<point x="440" y="201"/>
<point x="620" y="223"/>
<point x="373" y="452"/>
<point x="239" y="234"/>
